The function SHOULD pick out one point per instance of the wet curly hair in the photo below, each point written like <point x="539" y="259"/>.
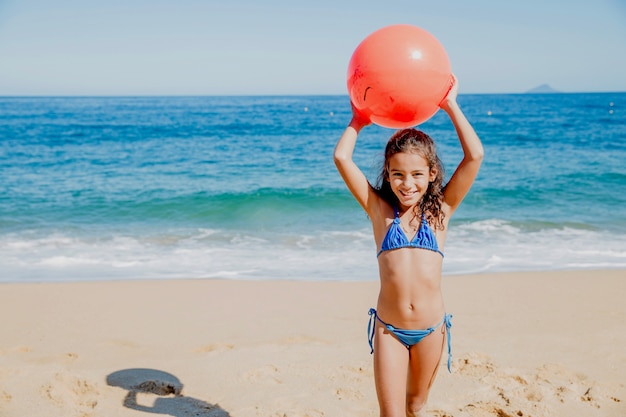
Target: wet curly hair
<point x="415" y="141"/>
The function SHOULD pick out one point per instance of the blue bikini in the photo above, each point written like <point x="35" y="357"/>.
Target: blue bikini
<point x="395" y="239"/>
<point x="409" y="337"/>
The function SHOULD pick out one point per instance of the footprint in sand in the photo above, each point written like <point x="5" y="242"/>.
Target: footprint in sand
<point x="348" y="394"/>
<point x="71" y="390"/>
<point x="214" y="347"/>
<point x="265" y="374"/>
<point x="18" y="349"/>
<point x="351" y="376"/>
<point x="566" y="386"/>
<point x="545" y="391"/>
<point x="474" y="365"/>
<point x="5" y="397"/>
<point x="440" y="413"/>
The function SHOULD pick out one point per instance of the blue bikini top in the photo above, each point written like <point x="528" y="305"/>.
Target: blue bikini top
<point x="396" y="238"/>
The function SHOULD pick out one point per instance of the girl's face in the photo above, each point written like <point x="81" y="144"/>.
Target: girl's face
<point x="409" y="176"/>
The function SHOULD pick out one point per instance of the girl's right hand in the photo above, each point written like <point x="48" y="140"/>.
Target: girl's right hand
<point x="359" y="120"/>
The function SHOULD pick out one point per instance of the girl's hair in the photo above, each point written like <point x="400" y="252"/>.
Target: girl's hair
<point x="415" y="141"/>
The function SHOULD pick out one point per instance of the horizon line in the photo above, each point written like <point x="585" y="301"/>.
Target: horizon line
<point x="277" y="94"/>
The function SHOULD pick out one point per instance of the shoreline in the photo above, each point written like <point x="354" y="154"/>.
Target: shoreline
<point x="445" y="275"/>
<point x="536" y="343"/>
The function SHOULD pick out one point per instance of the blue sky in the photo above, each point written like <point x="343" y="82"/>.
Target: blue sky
<point x="193" y="47"/>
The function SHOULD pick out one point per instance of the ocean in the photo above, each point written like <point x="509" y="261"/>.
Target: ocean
<point x="120" y="188"/>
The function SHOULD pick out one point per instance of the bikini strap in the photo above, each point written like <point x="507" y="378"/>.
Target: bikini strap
<point x="448" y="323"/>
<point x="371" y="328"/>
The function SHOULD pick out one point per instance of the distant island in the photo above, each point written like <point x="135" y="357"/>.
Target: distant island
<point x="542" y="89"/>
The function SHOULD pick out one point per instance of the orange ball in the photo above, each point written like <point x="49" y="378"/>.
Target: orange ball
<point x="398" y="75"/>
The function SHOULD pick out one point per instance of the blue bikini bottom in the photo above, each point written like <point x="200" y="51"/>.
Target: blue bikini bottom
<point x="409" y="337"/>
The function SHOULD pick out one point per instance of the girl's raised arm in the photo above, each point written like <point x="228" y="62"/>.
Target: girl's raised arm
<point x="354" y="178"/>
<point x="465" y="174"/>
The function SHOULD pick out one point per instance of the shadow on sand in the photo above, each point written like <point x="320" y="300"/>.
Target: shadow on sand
<point x="168" y="391"/>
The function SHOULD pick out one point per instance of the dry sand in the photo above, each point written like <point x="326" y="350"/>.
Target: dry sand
<point x="525" y="344"/>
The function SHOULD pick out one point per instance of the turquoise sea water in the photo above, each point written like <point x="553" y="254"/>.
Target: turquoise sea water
<point x="245" y="187"/>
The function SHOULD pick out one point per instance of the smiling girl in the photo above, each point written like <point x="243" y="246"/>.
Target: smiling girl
<point x="410" y="209"/>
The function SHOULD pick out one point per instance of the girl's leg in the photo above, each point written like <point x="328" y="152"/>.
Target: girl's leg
<point x="424" y="359"/>
<point x="391" y="360"/>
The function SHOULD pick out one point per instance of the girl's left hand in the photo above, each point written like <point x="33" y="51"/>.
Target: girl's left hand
<point x="450" y="98"/>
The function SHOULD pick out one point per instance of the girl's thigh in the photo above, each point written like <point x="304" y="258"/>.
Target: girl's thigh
<point x="391" y="364"/>
<point x="424" y="359"/>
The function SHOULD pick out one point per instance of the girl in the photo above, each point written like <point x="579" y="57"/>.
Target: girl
<point x="410" y="210"/>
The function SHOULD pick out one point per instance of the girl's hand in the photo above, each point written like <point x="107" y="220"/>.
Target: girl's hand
<point x="450" y="98"/>
<point x="359" y="120"/>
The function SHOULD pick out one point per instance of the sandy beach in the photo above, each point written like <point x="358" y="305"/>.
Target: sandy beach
<point x="524" y="344"/>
